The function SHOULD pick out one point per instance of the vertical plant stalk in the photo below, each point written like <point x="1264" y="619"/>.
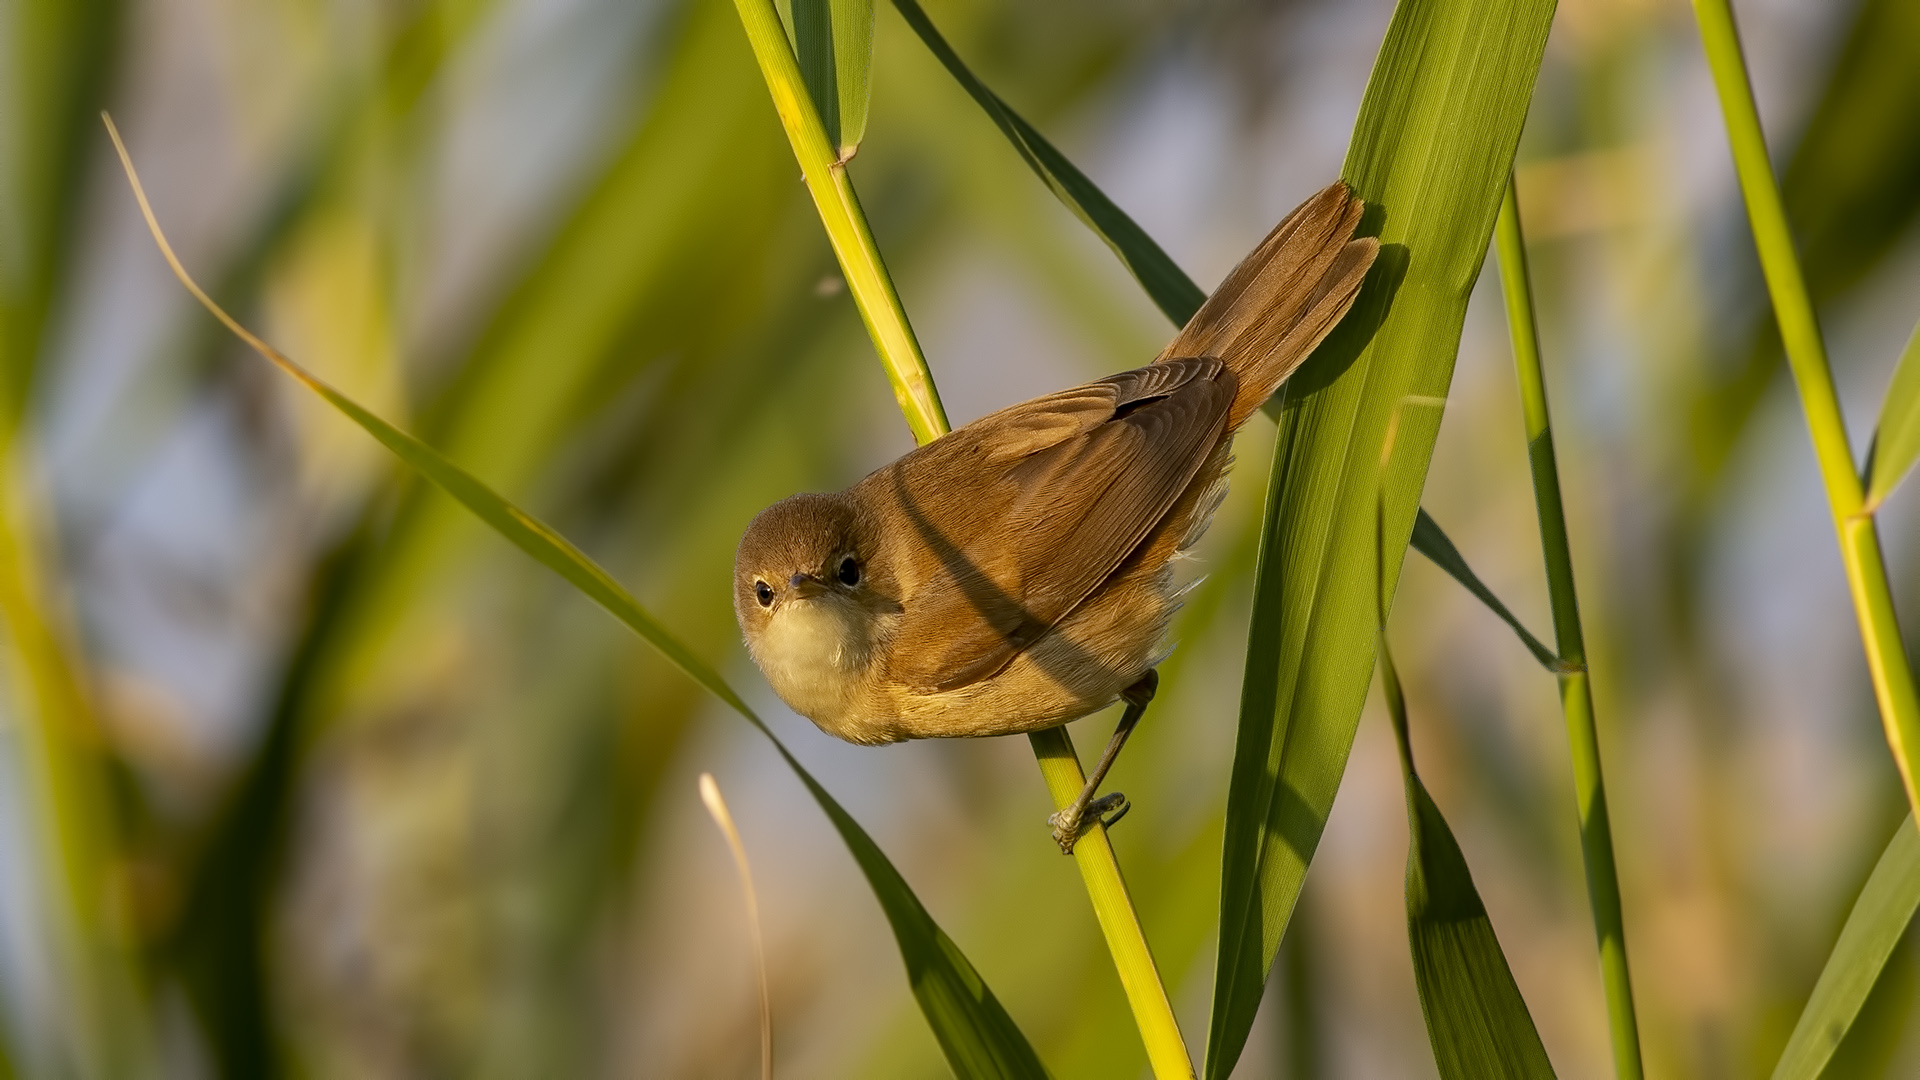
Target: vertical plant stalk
<point x="1576" y="691"/>
<point x="1100" y="871"/>
<point x="873" y="292"/>
<point x="1887" y="664"/>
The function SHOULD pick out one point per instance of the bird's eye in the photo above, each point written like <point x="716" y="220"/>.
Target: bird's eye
<point x="763" y="592"/>
<point x="849" y="571"/>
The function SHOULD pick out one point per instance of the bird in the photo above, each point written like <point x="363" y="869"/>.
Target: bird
<point x="1017" y="572"/>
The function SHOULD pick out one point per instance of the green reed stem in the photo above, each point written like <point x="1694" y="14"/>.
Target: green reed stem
<point x="913" y="387"/>
<point x="1887" y="664"/>
<point x="1576" y="692"/>
<point x="846" y="223"/>
<point x="1100" y="871"/>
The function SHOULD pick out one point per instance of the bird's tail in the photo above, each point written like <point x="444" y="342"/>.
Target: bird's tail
<point x="1282" y="299"/>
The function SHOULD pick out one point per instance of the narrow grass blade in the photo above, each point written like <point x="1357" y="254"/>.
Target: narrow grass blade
<point x="974" y="1030"/>
<point x="1896" y="443"/>
<point x="1477" y="1021"/>
<point x="1430" y="154"/>
<point x="1873" y="928"/>
<point x="1430" y="541"/>
<point x="1166" y="283"/>
<point x="723" y="818"/>
<point x="1576" y="690"/>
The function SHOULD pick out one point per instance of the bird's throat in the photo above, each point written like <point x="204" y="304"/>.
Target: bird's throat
<point x="816" y="654"/>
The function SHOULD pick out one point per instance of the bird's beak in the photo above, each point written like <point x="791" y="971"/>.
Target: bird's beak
<point x="806" y="586"/>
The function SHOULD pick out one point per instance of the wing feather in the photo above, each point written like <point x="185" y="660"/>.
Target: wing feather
<point x="1021" y="515"/>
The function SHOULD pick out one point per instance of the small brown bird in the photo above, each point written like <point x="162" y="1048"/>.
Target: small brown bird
<point x="1016" y="574"/>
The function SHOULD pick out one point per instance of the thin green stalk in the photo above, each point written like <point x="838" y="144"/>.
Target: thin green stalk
<point x="1100" y="870"/>
<point x="913" y="387"/>
<point x="1887" y="664"/>
<point x="1576" y="692"/>
<point x="846" y="224"/>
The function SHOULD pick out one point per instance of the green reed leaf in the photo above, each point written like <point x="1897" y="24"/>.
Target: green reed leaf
<point x="1477" y="1021"/>
<point x="1881" y="914"/>
<point x="979" y="1038"/>
<point x="1166" y="283"/>
<point x="1896" y="443"/>
<point x="833" y="42"/>
<point x="1429" y="540"/>
<point x="1430" y="154"/>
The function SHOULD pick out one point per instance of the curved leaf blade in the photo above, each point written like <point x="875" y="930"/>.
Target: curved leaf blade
<point x="1430" y="153"/>
<point x="1881" y="914"/>
<point x="1477" y="1022"/>
<point x="1429" y="540"/>
<point x="1896" y="443"/>
<point x="1170" y="288"/>
<point x="974" y="1030"/>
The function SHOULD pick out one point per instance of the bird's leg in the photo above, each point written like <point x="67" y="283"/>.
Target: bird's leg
<point x="1071" y="820"/>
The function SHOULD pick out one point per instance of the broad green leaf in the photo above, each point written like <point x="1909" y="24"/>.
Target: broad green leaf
<point x="833" y="41"/>
<point x="1896" y="443"/>
<point x="1477" y="1021"/>
<point x="1430" y="154"/>
<point x="1166" y="283"/>
<point x="1430" y="541"/>
<point x="1873" y="928"/>
<point x="973" y="1029"/>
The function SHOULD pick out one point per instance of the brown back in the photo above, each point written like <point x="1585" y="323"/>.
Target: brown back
<point x="1012" y="521"/>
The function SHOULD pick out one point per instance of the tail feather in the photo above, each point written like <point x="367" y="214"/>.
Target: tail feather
<point x="1270" y="312"/>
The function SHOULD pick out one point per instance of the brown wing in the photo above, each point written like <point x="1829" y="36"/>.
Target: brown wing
<point x="1020" y="515"/>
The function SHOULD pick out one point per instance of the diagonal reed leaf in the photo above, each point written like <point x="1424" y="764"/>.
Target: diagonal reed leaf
<point x="1881" y="914"/>
<point x="1430" y="541"/>
<point x="1430" y="152"/>
<point x="1169" y="286"/>
<point x="973" y="1029"/>
<point x="1896" y="443"/>
<point x="1477" y="1021"/>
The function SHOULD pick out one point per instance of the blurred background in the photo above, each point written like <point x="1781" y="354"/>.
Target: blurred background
<point x="305" y="772"/>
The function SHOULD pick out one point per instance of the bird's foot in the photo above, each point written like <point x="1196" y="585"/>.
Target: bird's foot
<point x="1069" y="823"/>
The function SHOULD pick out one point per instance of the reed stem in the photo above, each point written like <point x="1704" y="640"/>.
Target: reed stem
<point x="873" y="292"/>
<point x="1887" y="663"/>
<point x="1576" y="691"/>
